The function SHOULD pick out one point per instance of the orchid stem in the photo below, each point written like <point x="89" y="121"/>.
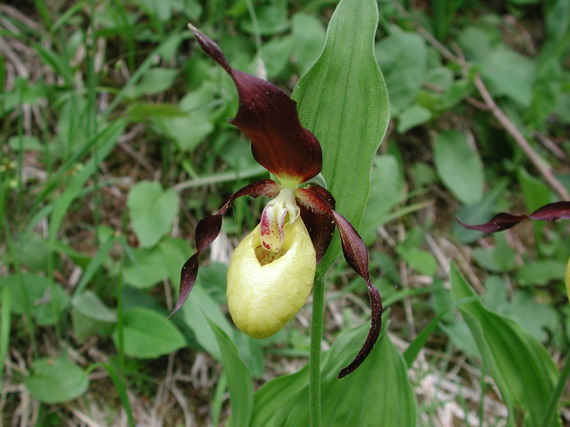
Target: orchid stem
<point x="315" y="356"/>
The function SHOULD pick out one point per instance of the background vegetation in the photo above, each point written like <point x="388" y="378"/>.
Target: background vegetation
<point x="116" y="141"/>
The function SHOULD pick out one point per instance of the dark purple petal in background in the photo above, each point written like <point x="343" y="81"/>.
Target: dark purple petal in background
<point x="356" y="255"/>
<point x="504" y="221"/>
<point x="551" y="212"/>
<point x="319" y="222"/>
<point x="499" y="222"/>
<point x="208" y="229"/>
<point x="268" y="116"/>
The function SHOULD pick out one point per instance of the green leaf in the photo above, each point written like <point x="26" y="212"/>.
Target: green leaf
<point x="386" y="179"/>
<point x="38" y="296"/>
<point x="308" y="39"/>
<point x="540" y="273"/>
<point x="152" y="211"/>
<point x="377" y="394"/>
<point x="403" y="58"/>
<point x="536" y="193"/>
<point x="148" y="335"/>
<point x="147" y="111"/>
<point x="270" y="20"/>
<point x="498" y="259"/>
<point x="239" y="379"/>
<point x="520" y="366"/>
<point x="91" y="306"/>
<point x="459" y="166"/>
<point x="413" y="116"/>
<point x="147" y="270"/>
<point x="25" y="143"/>
<point x="420" y="260"/>
<point x="155" y="80"/>
<point x="343" y="100"/>
<point x="199" y="302"/>
<point x="56" y="380"/>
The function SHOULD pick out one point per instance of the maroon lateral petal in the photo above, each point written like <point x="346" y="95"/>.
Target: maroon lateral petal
<point x="208" y="229"/>
<point x="499" y="222"/>
<point x="552" y="211"/>
<point x="319" y="222"/>
<point x="504" y="221"/>
<point x="268" y="116"/>
<point x="317" y="199"/>
<point x="356" y="255"/>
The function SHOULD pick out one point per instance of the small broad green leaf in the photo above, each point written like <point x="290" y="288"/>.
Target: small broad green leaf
<point x="148" y="335"/>
<point x="147" y="268"/>
<point x="403" y="58"/>
<point x="459" y="166"/>
<point x="412" y="117"/>
<point x="420" y="260"/>
<point x="498" y="259"/>
<point x="522" y="369"/>
<point x="89" y="304"/>
<point x="152" y="211"/>
<point x="536" y="193"/>
<point x="276" y="55"/>
<point x="386" y="179"/>
<point x="536" y="318"/>
<point x="148" y="111"/>
<point x="56" y="380"/>
<point x="270" y="20"/>
<point x="187" y="131"/>
<point x="39" y="296"/>
<point x="308" y="40"/>
<point x="343" y="100"/>
<point x="510" y="74"/>
<point x="239" y="379"/>
<point x="155" y="80"/>
<point x="25" y="143"/>
<point x="540" y="273"/>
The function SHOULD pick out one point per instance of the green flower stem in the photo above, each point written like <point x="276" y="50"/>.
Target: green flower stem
<point x="315" y="356"/>
<point x="551" y="412"/>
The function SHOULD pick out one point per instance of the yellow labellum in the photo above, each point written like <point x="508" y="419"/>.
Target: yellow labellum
<point x="265" y="290"/>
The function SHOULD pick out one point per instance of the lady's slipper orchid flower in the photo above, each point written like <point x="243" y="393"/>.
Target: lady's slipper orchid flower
<point x="272" y="270"/>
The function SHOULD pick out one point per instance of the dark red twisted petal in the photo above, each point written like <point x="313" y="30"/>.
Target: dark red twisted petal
<point x="208" y="229"/>
<point x="504" y="221"/>
<point x="356" y="256"/>
<point x="319" y="222"/>
<point x="551" y="212"/>
<point x="268" y="116"/>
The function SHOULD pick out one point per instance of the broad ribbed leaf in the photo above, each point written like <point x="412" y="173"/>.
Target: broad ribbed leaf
<point x="377" y="394"/>
<point x="343" y="100"/>
<point x="519" y="364"/>
<point x="240" y="383"/>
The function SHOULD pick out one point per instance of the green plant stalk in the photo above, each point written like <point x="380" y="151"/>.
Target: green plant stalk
<point x="315" y="356"/>
<point x="551" y="412"/>
<point x="4" y="330"/>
